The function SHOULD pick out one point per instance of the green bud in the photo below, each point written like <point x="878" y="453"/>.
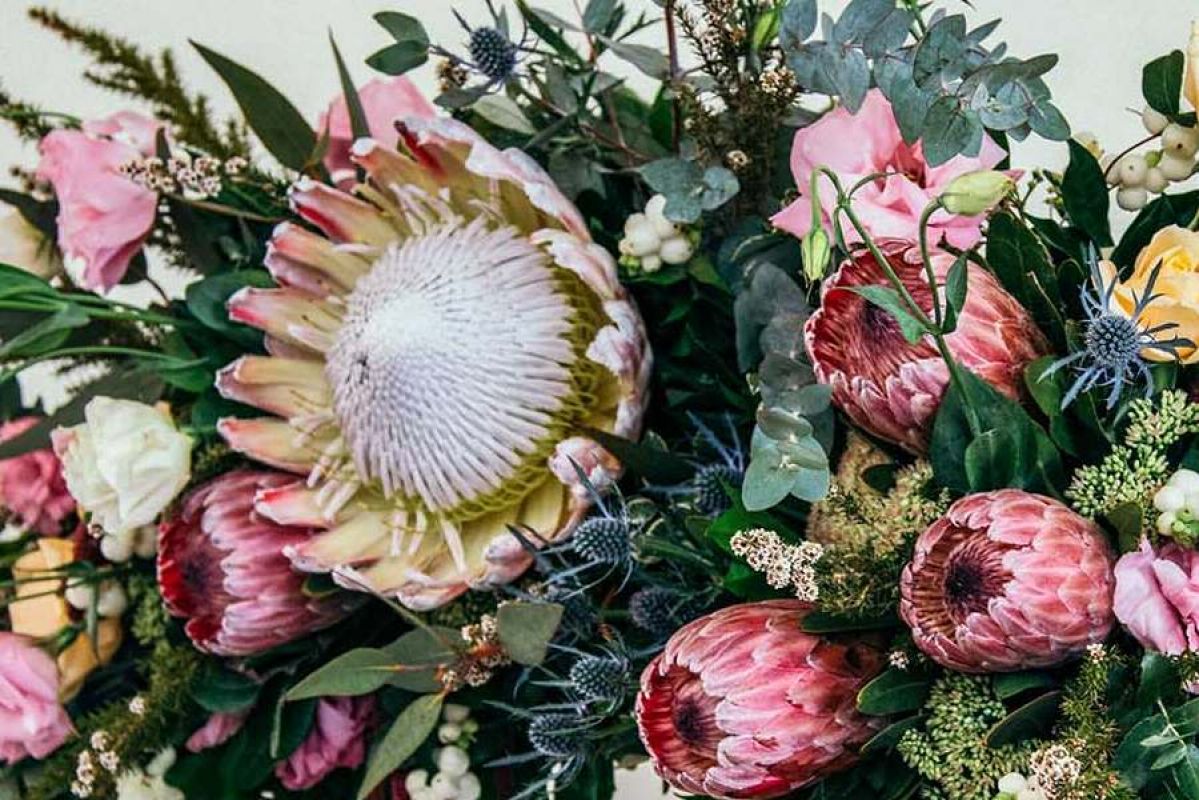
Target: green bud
<point x="976" y="192"/>
<point x="816" y="253"/>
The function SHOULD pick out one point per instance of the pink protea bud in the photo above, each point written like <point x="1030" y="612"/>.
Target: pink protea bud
<point x="891" y="388"/>
<point x="1007" y="581"/>
<point x="221" y="566"/>
<point x="742" y="703"/>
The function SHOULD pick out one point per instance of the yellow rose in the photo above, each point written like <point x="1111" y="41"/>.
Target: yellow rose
<point x="1190" y="84"/>
<point x="44" y="612"/>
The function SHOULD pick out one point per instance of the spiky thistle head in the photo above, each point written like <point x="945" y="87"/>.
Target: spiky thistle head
<point x="493" y="53"/>
<point x="660" y="611"/>
<point x="603" y="540"/>
<point x="600" y="678"/>
<point x="557" y="735"/>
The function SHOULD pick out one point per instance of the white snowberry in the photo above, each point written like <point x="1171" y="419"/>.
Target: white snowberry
<point x="1176" y="167"/>
<point x="1180" y="140"/>
<point x="1154" y="120"/>
<point x="80" y="596"/>
<point x="1012" y="783"/>
<point x="453" y="761"/>
<point x="117" y="547"/>
<point x="112" y="601"/>
<point x="1132" y="169"/>
<point x="1156" y="180"/>
<point x="1185" y="479"/>
<point x="1132" y="198"/>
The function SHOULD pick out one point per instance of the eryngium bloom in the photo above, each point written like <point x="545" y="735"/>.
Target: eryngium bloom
<point x="891" y="388"/>
<point x="1007" y="581"/>
<point x="432" y="353"/>
<point x="221" y="566"/>
<point x="742" y="703"/>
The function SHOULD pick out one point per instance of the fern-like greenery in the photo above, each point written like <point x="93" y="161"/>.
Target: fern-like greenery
<point x="122" y="67"/>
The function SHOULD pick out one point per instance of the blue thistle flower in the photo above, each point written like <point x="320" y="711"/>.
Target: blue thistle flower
<point x="558" y="735"/>
<point x="493" y="54"/>
<point x="660" y="611"/>
<point x="600" y="678"/>
<point x="1113" y="342"/>
<point x="718" y="463"/>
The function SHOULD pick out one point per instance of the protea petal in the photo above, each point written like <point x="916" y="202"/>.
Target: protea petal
<point x="1006" y="581"/>
<point x="743" y="704"/>
<point x="464" y="326"/>
<point x="222" y="567"/>
<point x="891" y="388"/>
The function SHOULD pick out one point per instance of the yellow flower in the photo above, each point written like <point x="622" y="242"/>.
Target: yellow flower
<point x="43" y="613"/>
<point x="1190" y="86"/>
<point x="1176" y="291"/>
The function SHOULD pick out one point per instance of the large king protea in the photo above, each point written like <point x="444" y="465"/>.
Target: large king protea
<point x="439" y="350"/>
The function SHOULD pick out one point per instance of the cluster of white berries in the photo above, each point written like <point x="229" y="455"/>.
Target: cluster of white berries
<point x="453" y="779"/>
<point x="1015" y="786"/>
<point x="1053" y="772"/>
<point x="108" y="597"/>
<point x="196" y="178"/>
<point x="1136" y="176"/>
<point x="148" y="783"/>
<point x="651" y="240"/>
<point x="121" y="546"/>
<point x="1177" y="504"/>
<point x="782" y="564"/>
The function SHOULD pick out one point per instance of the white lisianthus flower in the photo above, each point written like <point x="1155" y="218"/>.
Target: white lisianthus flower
<point x="24" y="246"/>
<point x="653" y="240"/>
<point x="125" y="463"/>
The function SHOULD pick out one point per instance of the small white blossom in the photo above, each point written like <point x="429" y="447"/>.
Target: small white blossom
<point x="651" y="240"/>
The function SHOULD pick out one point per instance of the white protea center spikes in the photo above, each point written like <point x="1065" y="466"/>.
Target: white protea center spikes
<point x="439" y="353"/>
<point x="452" y="364"/>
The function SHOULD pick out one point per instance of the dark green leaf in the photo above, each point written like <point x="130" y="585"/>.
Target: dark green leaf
<point x="358" y="124"/>
<point x="221" y="690"/>
<point x="1161" y="82"/>
<point x="409" y="731"/>
<point x="357" y="672"/>
<point x="402" y="27"/>
<point x="399" y="58"/>
<point x="1008" y="685"/>
<point x="894" y="692"/>
<point x="1085" y="195"/>
<point x="889" y="737"/>
<point x="1019" y="260"/>
<point x="1032" y="720"/>
<point x="956" y="285"/>
<point x="824" y="622"/>
<point x="648" y="60"/>
<point x="597" y="15"/>
<point x="654" y="464"/>
<point x="207" y="299"/>
<point x="281" y="127"/>
<point x="1169" y="209"/>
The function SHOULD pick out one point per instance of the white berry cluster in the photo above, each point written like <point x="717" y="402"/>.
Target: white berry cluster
<point x="1136" y="176"/>
<point x="148" y="783"/>
<point x="1177" y="504"/>
<point x="651" y="240"/>
<point x="124" y="545"/>
<point x="453" y="779"/>
<point x="108" y="597"/>
<point x="1015" y="786"/>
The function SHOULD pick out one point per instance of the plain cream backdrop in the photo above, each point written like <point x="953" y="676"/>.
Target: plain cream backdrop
<point x="1102" y="44"/>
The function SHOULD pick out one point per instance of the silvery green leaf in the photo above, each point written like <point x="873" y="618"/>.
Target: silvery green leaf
<point x="806" y="453"/>
<point x="650" y="60"/>
<point x="814" y="399"/>
<point x="976" y="36"/>
<point x="939" y="54"/>
<point x="1005" y="109"/>
<point x="848" y="72"/>
<point x="558" y="90"/>
<point x="779" y="376"/>
<point x="824" y="427"/>
<point x="597" y="15"/>
<point x="574" y="175"/>
<point x="553" y="20"/>
<point x="860" y="18"/>
<point x="765" y="483"/>
<point x="502" y="111"/>
<point x="798" y="22"/>
<point x="720" y="186"/>
<point x="909" y="102"/>
<point x="807" y="64"/>
<point x="950" y="130"/>
<point x="827" y="23"/>
<point x="683" y="208"/>
<point x="673" y="176"/>
<point x="1019" y="133"/>
<point x="811" y="485"/>
<point x="889" y="35"/>
<point x="781" y="424"/>
<point x="1047" y="121"/>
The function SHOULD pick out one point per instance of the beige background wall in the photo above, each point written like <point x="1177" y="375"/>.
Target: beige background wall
<point x="1102" y="44"/>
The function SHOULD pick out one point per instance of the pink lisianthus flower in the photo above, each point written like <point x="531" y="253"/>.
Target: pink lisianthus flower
<point x="104" y="217"/>
<point x="1157" y="597"/>
<point x="338" y="739"/>
<point x="869" y="142"/>
<point x="384" y="100"/>
<point x="32" y="720"/>
<point x="32" y="488"/>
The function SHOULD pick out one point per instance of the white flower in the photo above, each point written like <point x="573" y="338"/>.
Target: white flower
<point x="653" y="240"/>
<point x="125" y="463"/>
<point x="24" y="246"/>
<point x="453" y="761"/>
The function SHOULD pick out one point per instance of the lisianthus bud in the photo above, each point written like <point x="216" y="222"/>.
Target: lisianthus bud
<point x="816" y="254"/>
<point x="976" y="192"/>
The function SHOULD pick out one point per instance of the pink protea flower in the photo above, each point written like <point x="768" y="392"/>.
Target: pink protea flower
<point x="1157" y="597"/>
<point x="1007" y="581"/>
<point x="221" y="566"/>
<point x="32" y="488"/>
<point x="104" y="217"/>
<point x="32" y="720"/>
<point x="867" y="143"/>
<point x="891" y="388"/>
<point x="450" y="327"/>
<point x="338" y="739"/>
<point x="384" y="102"/>
<point x="742" y="703"/>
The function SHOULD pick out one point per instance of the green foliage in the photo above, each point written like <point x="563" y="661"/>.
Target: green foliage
<point x="406" y="734"/>
<point x="950" y="749"/>
<point x="1085" y="195"/>
<point x="525" y="629"/>
<point x="122" y="67"/>
<point x="690" y="189"/>
<point x="1161" y="82"/>
<point x="411" y="46"/>
<point x="946" y="87"/>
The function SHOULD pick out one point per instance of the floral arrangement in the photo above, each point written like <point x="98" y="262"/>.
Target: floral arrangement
<point x="773" y="429"/>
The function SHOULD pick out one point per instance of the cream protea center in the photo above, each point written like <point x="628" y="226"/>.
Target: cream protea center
<point x="453" y="367"/>
<point x="436" y="360"/>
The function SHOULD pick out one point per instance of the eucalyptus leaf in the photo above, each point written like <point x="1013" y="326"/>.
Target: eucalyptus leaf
<point x="351" y="674"/>
<point x="502" y="111"/>
<point x="525" y="629"/>
<point x="405" y="736"/>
